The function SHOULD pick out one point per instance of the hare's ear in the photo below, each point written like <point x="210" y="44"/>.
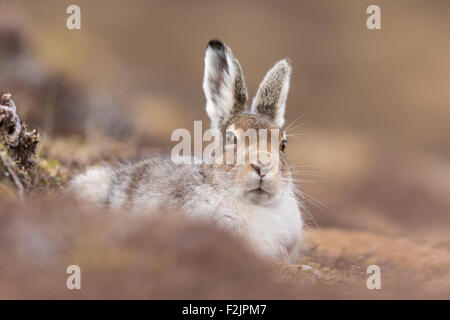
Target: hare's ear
<point x="223" y="83"/>
<point x="270" y="100"/>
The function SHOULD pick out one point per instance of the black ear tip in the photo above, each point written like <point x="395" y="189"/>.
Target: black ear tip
<point x="216" y="44"/>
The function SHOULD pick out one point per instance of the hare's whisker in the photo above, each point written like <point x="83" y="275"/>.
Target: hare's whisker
<point x="300" y="124"/>
<point x="296" y="119"/>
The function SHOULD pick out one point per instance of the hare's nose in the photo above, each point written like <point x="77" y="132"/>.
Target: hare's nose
<point x="263" y="165"/>
<point x="258" y="170"/>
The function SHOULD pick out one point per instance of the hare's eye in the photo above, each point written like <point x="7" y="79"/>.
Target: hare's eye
<point x="231" y="138"/>
<point x="283" y="145"/>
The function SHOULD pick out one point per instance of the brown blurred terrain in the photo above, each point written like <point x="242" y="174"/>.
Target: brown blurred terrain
<point x="373" y="156"/>
<point x="124" y="257"/>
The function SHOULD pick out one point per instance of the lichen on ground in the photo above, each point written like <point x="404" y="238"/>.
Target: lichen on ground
<point x="21" y="168"/>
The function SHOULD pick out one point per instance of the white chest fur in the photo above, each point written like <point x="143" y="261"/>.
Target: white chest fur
<point x="273" y="230"/>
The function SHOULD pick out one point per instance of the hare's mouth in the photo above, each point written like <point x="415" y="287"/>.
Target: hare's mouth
<point x="259" y="191"/>
<point x="259" y="195"/>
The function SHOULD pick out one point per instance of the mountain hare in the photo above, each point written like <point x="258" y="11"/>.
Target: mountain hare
<point x="255" y="200"/>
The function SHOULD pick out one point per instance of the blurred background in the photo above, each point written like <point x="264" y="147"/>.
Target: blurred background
<point x="372" y="106"/>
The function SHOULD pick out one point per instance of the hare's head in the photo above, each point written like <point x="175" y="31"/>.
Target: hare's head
<point x="264" y="173"/>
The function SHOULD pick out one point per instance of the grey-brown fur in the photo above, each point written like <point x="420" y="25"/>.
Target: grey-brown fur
<point x="271" y="93"/>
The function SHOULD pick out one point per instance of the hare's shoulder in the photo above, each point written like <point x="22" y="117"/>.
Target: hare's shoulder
<point x="155" y="167"/>
<point x="163" y="166"/>
<point x="188" y="188"/>
<point x="160" y="176"/>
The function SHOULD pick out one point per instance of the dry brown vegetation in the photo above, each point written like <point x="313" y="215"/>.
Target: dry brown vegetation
<point x="123" y="256"/>
<point x="375" y="154"/>
<point x="168" y="257"/>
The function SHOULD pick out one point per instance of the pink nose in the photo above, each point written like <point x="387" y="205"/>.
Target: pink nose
<point x="258" y="170"/>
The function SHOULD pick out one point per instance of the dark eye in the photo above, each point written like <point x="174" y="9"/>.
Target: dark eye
<point x="283" y="145"/>
<point x="231" y="138"/>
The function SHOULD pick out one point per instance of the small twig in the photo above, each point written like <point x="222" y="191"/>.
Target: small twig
<point x="20" y="189"/>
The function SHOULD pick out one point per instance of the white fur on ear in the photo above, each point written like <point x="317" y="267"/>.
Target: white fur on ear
<point x="223" y="83"/>
<point x="270" y="100"/>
